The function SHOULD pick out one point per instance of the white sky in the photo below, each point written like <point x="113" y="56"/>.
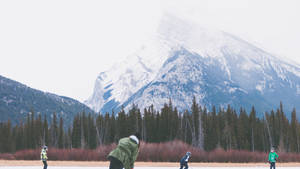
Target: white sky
<point x="61" y="46"/>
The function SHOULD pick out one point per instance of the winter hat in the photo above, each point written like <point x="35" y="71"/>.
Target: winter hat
<point x="136" y="137"/>
<point x="45" y="148"/>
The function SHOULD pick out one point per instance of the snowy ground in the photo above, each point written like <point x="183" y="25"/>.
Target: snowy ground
<point x="73" y="167"/>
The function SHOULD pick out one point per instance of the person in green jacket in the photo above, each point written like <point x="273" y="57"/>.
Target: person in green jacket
<point x="272" y="158"/>
<point x="126" y="153"/>
<point x="44" y="156"/>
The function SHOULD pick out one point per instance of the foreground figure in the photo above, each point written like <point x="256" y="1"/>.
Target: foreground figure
<point x="44" y="156"/>
<point x="126" y="153"/>
<point x="272" y="158"/>
<point x="184" y="160"/>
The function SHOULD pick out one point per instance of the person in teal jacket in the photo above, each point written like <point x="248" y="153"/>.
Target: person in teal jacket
<point x="272" y="158"/>
<point x="124" y="156"/>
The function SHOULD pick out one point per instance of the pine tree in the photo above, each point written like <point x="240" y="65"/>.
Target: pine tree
<point x="244" y="134"/>
<point x="194" y="125"/>
<point x="19" y="138"/>
<point x="132" y="120"/>
<point x="164" y="124"/>
<point x="6" y="136"/>
<point x="252" y="120"/>
<point x="83" y="132"/>
<point x="212" y="131"/>
<point x="100" y="129"/>
<point x="61" y="135"/>
<point x="145" y="123"/>
<point x="39" y="130"/>
<point x="76" y="132"/>
<point x="107" y="127"/>
<point x="122" y="122"/>
<point x="45" y="132"/>
<point x="54" y="131"/>
<point x="139" y="122"/>
<point x="92" y="141"/>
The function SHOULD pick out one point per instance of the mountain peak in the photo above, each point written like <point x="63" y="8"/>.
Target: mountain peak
<point x="184" y="59"/>
<point x="208" y="42"/>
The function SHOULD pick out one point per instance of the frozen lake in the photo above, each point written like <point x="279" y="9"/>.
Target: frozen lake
<point x="74" y="167"/>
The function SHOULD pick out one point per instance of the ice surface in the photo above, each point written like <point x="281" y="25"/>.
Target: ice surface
<point x="80" y="167"/>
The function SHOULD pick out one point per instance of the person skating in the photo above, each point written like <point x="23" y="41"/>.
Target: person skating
<point x="184" y="160"/>
<point x="44" y="157"/>
<point x="126" y="153"/>
<point x="272" y="158"/>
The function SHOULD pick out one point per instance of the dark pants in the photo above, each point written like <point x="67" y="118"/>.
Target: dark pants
<point x="272" y="165"/>
<point x="115" y="163"/>
<point x="45" y="164"/>
<point x="185" y="165"/>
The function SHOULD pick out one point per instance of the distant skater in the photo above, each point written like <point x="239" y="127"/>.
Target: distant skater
<point x="124" y="156"/>
<point x="272" y="158"/>
<point x="44" y="156"/>
<point x="184" y="161"/>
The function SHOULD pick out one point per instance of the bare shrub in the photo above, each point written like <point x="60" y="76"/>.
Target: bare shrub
<point x="7" y="156"/>
<point x="288" y="157"/>
<point x="171" y="151"/>
<point x="27" y="155"/>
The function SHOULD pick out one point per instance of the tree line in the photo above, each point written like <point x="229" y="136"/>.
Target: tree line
<point x="224" y="128"/>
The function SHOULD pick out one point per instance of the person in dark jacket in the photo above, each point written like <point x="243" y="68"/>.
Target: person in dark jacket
<point x="124" y="156"/>
<point x="184" y="160"/>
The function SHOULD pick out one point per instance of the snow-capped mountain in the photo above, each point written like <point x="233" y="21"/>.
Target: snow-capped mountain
<point x="183" y="60"/>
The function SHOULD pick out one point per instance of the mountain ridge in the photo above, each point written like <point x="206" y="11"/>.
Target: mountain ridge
<point x="17" y="100"/>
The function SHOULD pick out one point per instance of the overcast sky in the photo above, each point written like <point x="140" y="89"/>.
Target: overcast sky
<point x="61" y="46"/>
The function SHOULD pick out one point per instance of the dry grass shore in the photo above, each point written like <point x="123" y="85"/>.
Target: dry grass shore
<point x="137" y="164"/>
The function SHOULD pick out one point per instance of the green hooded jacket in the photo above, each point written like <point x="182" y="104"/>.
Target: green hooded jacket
<point x="273" y="157"/>
<point x="126" y="152"/>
